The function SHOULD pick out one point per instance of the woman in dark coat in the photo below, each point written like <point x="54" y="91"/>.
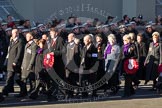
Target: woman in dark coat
<point x="153" y="59"/>
<point x="133" y="42"/>
<point x="41" y="76"/>
<point x="129" y="51"/>
<point x="100" y="49"/>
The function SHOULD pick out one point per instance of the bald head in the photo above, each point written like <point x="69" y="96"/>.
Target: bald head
<point x="71" y="37"/>
<point x="14" y="33"/>
<point x="87" y="40"/>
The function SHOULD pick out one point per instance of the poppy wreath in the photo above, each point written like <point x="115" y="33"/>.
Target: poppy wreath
<point x="160" y="68"/>
<point x="131" y="66"/>
<point x="48" y="60"/>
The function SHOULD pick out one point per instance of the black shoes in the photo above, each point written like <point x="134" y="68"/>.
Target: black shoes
<point x="51" y="98"/>
<point x="1" y="98"/>
<point x="135" y="86"/>
<point x="153" y="89"/>
<point x="33" y="95"/>
<point x="21" y="95"/>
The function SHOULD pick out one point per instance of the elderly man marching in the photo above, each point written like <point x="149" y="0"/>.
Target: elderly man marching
<point x="88" y="66"/>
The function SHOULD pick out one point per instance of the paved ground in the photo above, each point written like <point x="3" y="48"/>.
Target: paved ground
<point x="144" y="98"/>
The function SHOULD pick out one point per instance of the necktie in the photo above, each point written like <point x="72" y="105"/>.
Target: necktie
<point x="53" y="43"/>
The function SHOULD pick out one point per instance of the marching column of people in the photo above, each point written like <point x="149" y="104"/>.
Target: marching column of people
<point x="80" y="63"/>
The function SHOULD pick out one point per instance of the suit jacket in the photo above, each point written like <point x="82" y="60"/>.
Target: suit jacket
<point x="29" y="58"/>
<point x="15" y="55"/>
<point x="153" y="59"/>
<point x="72" y="58"/>
<point x="89" y="58"/>
<point x="142" y="50"/>
<point x="58" y="49"/>
<point x="154" y="54"/>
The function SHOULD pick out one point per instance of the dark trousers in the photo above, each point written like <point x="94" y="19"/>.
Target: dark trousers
<point x="9" y="86"/>
<point x="1" y="97"/>
<point x="42" y="81"/>
<point x="128" y="87"/>
<point x="87" y="80"/>
<point x="52" y="88"/>
<point x="23" y="82"/>
<point x="71" y="78"/>
<point x="135" y="80"/>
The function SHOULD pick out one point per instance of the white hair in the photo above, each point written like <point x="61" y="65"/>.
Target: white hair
<point x="112" y="36"/>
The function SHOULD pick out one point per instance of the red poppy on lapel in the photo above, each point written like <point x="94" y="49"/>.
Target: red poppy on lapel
<point x="53" y="42"/>
<point x="156" y="44"/>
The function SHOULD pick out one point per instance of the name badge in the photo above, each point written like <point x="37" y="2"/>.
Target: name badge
<point x="94" y="55"/>
<point x="1" y="53"/>
<point x="29" y="51"/>
<point x="1" y="75"/>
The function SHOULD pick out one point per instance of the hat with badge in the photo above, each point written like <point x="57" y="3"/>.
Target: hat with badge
<point x="132" y="22"/>
<point x="99" y="27"/>
<point x="25" y="30"/>
<point x="111" y="24"/>
<point x="75" y="27"/>
<point x="103" y="26"/>
<point x="40" y="25"/>
<point x="121" y="26"/>
<point x="148" y="26"/>
<point x="4" y="23"/>
<point x="83" y="25"/>
<point x="33" y="28"/>
<point x="128" y="25"/>
<point x="60" y="26"/>
<point x="8" y="29"/>
<point x="20" y="27"/>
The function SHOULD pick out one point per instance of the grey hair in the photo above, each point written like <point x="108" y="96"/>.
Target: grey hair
<point x="89" y="36"/>
<point x="112" y="36"/>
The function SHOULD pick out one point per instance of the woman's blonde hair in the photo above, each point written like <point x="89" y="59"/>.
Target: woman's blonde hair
<point x="132" y="36"/>
<point x="112" y="36"/>
<point x="127" y="37"/>
<point x="156" y="34"/>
